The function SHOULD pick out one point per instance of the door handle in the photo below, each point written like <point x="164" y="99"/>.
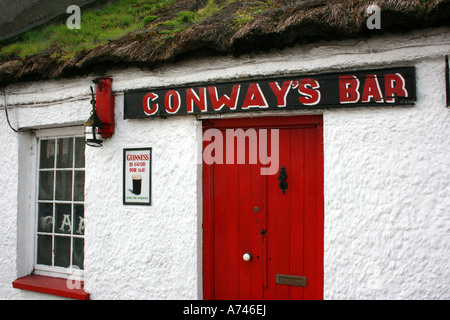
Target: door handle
<point x="247" y="256"/>
<point x="282" y="177"/>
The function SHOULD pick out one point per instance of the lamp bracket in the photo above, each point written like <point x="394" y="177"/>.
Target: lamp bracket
<point x="98" y="82"/>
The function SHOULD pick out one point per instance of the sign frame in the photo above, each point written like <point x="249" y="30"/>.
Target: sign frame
<point x="384" y="87"/>
<point x="137" y="166"/>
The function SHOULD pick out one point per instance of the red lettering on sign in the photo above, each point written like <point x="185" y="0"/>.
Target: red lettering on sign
<point x="199" y="100"/>
<point x="148" y="98"/>
<point x="230" y="102"/>
<point x="172" y="101"/>
<point x="349" y="89"/>
<point x="394" y="86"/>
<point x="281" y="93"/>
<point x="133" y="157"/>
<point x="309" y="94"/>
<point x="254" y="98"/>
<point x="372" y="89"/>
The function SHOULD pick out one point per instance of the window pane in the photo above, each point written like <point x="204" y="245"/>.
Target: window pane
<point x="79" y="186"/>
<point x="47" y="158"/>
<point x="63" y="218"/>
<point x="79" y="152"/>
<point x="45" y="217"/>
<point x="62" y="251"/>
<point x="63" y="185"/>
<point x="46" y="185"/>
<point x="65" y="153"/>
<point x="78" y="252"/>
<point x="44" y="250"/>
<point x="78" y="219"/>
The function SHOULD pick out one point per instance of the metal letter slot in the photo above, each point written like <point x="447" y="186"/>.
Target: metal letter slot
<point x="291" y="280"/>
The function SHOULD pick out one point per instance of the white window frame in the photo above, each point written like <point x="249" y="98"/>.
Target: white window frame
<point x="57" y="133"/>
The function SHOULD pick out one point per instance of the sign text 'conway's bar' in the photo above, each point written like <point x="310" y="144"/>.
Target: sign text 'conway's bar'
<point x="360" y="88"/>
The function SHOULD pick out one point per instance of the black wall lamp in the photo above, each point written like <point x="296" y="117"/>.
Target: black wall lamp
<point x="91" y="135"/>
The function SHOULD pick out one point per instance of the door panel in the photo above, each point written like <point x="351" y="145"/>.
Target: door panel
<point x="245" y="211"/>
<point x="236" y="232"/>
<point x="278" y="236"/>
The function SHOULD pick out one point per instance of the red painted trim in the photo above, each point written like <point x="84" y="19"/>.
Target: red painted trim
<point x="320" y="209"/>
<point x="265" y="122"/>
<point x="50" y="285"/>
<point x="208" y="252"/>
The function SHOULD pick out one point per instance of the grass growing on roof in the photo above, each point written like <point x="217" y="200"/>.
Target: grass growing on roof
<point x="97" y="28"/>
<point x="185" y="18"/>
<point x="100" y="26"/>
<point x="244" y="16"/>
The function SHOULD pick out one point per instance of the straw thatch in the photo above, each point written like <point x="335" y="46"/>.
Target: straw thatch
<point x="286" y="23"/>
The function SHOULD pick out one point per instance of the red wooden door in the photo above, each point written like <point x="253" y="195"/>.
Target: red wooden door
<point x="248" y="212"/>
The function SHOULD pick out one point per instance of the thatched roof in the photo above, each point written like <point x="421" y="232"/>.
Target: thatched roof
<point x="281" y="24"/>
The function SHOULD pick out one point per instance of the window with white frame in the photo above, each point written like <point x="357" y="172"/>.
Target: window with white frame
<point x="60" y="205"/>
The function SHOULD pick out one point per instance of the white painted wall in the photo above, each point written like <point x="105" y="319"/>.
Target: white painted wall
<point x="387" y="178"/>
<point x="387" y="197"/>
<point x="145" y="252"/>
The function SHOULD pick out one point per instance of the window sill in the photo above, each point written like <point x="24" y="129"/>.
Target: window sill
<point x="50" y="285"/>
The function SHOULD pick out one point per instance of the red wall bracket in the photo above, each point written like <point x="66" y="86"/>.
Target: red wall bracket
<point x="104" y="101"/>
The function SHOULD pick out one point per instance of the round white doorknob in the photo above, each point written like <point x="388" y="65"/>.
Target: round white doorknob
<point x="247" y="256"/>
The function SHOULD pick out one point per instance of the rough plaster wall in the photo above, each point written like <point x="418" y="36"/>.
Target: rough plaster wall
<point x="386" y="179"/>
<point x="8" y="198"/>
<point x="387" y="197"/>
<point x="9" y="260"/>
<point x="141" y="252"/>
<point x="15" y="248"/>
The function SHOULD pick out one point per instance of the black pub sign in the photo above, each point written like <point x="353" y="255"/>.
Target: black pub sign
<point x="383" y="87"/>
